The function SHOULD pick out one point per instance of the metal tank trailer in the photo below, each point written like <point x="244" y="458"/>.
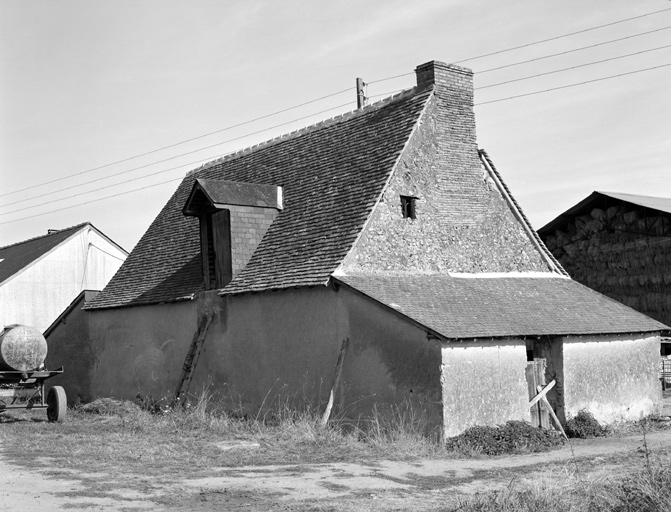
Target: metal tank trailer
<point x="23" y="350"/>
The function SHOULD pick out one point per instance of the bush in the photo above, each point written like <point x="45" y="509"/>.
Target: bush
<point x="583" y="425"/>
<point x="512" y="437"/>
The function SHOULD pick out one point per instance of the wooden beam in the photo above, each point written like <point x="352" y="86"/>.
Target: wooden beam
<point x="541" y="394"/>
<point x="336" y="381"/>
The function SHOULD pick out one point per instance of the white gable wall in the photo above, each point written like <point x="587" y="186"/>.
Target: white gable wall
<point x="39" y="293"/>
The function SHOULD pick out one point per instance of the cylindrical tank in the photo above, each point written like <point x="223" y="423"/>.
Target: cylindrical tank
<point x="22" y="348"/>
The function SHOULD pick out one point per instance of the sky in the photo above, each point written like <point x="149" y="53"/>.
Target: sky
<point x="94" y="94"/>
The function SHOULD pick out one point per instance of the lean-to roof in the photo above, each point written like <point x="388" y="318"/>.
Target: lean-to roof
<point x="487" y="307"/>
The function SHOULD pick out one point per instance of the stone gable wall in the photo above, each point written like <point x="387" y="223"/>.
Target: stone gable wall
<point x="462" y="224"/>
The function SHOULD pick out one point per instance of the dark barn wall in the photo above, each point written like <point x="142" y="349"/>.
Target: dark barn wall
<point x="267" y="349"/>
<point x="622" y="251"/>
<point x="69" y="346"/>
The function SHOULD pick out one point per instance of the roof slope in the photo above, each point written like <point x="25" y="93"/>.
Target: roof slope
<point x="17" y="256"/>
<point x="331" y="174"/>
<point x="663" y="204"/>
<point x="459" y="308"/>
<point x="605" y="200"/>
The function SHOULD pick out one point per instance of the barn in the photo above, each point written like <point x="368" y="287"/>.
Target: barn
<point x="381" y="246"/>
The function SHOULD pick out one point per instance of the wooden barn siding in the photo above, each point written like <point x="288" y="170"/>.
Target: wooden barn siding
<point x="625" y="255"/>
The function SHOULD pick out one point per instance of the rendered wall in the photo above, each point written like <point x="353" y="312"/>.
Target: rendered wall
<point x="269" y="348"/>
<point x="615" y="378"/>
<point x="483" y="383"/>
<point x="139" y="349"/>
<point x="70" y="346"/>
<point x="40" y="293"/>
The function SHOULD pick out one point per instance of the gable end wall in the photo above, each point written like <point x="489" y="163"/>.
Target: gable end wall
<point x="462" y="224"/>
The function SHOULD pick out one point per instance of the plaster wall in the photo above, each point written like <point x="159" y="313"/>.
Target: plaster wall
<point x="69" y="346"/>
<point x="616" y="378"/>
<point x="140" y="349"/>
<point x="269" y="349"/>
<point x="41" y="292"/>
<point x="483" y="383"/>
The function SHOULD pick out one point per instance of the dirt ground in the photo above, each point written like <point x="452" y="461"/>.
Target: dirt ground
<point x="382" y="485"/>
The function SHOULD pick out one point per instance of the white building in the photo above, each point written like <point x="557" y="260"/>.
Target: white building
<point x="40" y="277"/>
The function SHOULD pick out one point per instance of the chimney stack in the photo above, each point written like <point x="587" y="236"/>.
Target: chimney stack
<point x="447" y="79"/>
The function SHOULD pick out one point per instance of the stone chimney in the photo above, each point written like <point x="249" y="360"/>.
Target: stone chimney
<point x="460" y="174"/>
<point x="446" y="78"/>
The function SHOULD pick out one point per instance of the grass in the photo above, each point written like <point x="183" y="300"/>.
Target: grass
<point x="110" y="441"/>
<point x="644" y="488"/>
<point x="108" y="434"/>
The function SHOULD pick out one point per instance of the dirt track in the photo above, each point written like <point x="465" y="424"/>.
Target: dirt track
<point x="377" y="486"/>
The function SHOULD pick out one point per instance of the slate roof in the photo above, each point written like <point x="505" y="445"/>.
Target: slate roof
<point x="17" y="256"/>
<point x="332" y="175"/>
<point x="461" y="308"/>
<point x="604" y="200"/>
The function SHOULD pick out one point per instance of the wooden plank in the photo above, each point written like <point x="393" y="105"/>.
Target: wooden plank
<point x="531" y="385"/>
<point x="336" y="381"/>
<point x="192" y="356"/>
<point x="221" y="231"/>
<point x="542" y="392"/>
<point x="554" y="417"/>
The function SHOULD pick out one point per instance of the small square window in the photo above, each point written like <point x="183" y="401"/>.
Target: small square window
<point x="408" y="207"/>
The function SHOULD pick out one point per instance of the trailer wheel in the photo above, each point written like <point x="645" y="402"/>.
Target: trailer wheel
<point x="57" y="404"/>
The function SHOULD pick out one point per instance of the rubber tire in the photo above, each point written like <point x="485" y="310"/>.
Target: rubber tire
<point x="57" y="404"/>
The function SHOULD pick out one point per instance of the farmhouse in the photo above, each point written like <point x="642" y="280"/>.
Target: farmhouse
<point x="381" y="246"/>
<point x="40" y="277"/>
<point x="619" y="245"/>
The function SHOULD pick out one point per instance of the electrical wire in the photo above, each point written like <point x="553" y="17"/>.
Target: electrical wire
<point x="572" y="67"/>
<point x="176" y="144"/>
<point x="477" y="104"/>
<point x="92" y="201"/>
<point x="154" y="163"/>
<point x="573" y="85"/>
<point x="533" y="43"/>
<point x="573" y="51"/>
<point x="562" y="36"/>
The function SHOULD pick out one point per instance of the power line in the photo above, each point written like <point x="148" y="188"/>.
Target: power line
<point x="572" y="67"/>
<point x="325" y="97"/>
<point x="477" y="104"/>
<point x="532" y="44"/>
<point x="176" y="143"/>
<point x="574" y="85"/>
<point x="91" y="201"/>
<point x="574" y="50"/>
<point x="562" y="36"/>
<point x="154" y="163"/>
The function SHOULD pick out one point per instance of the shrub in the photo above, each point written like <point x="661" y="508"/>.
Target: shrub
<point x="512" y="437"/>
<point x="583" y="425"/>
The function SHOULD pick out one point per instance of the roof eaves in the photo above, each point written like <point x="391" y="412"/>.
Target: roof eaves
<point x="429" y="331"/>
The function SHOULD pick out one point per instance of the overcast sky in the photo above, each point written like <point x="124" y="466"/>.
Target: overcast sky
<point x="86" y="85"/>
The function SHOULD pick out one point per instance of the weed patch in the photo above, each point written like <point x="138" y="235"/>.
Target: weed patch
<point x="513" y="437"/>
<point x="584" y="426"/>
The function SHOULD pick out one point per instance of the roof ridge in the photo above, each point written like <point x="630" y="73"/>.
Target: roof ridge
<point x="629" y="194"/>
<point x="55" y="232"/>
<point x="306" y="129"/>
